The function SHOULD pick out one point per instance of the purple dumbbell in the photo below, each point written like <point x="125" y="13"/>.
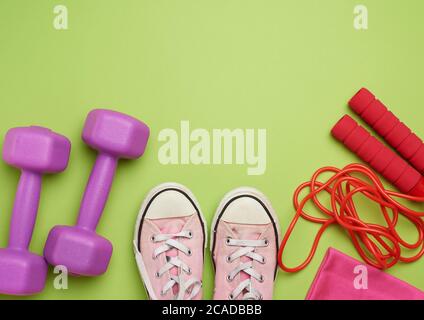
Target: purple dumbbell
<point x="79" y="248"/>
<point x="35" y="151"/>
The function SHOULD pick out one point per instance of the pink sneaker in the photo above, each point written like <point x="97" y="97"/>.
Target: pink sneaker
<point x="244" y="246"/>
<point x="169" y="243"/>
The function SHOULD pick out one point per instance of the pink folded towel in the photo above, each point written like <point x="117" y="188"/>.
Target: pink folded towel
<point x="341" y="277"/>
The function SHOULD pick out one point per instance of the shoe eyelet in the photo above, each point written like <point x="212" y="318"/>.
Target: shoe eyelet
<point x="229" y="279"/>
<point x="263" y="260"/>
<point x="189" y="271"/>
<point x="162" y="293"/>
<point x="266" y="242"/>
<point x="153" y="239"/>
<point x="228" y="241"/>
<point x="157" y="275"/>
<point x="261" y="297"/>
<point x="261" y="279"/>
<point x="154" y="257"/>
<point x="229" y="259"/>
<point x="190" y="235"/>
<point x="189" y="253"/>
<point x="231" y="297"/>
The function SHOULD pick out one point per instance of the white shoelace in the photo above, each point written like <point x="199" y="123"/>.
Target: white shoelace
<point x="170" y="242"/>
<point x="247" y="249"/>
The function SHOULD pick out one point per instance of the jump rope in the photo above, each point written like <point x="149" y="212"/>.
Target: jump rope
<point x="378" y="245"/>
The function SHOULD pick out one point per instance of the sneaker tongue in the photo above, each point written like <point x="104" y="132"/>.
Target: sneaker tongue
<point x="247" y="232"/>
<point x="169" y="226"/>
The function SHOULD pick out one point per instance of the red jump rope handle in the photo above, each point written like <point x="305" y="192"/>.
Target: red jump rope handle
<point x="389" y="127"/>
<point x="406" y="178"/>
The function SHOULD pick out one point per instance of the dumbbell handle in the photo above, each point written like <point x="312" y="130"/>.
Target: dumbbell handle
<point x="25" y="209"/>
<point x="382" y="159"/>
<point x="97" y="191"/>
<point x="388" y="126"/>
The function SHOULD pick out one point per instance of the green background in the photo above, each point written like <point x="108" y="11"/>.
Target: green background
<point x="286" y="66"/>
